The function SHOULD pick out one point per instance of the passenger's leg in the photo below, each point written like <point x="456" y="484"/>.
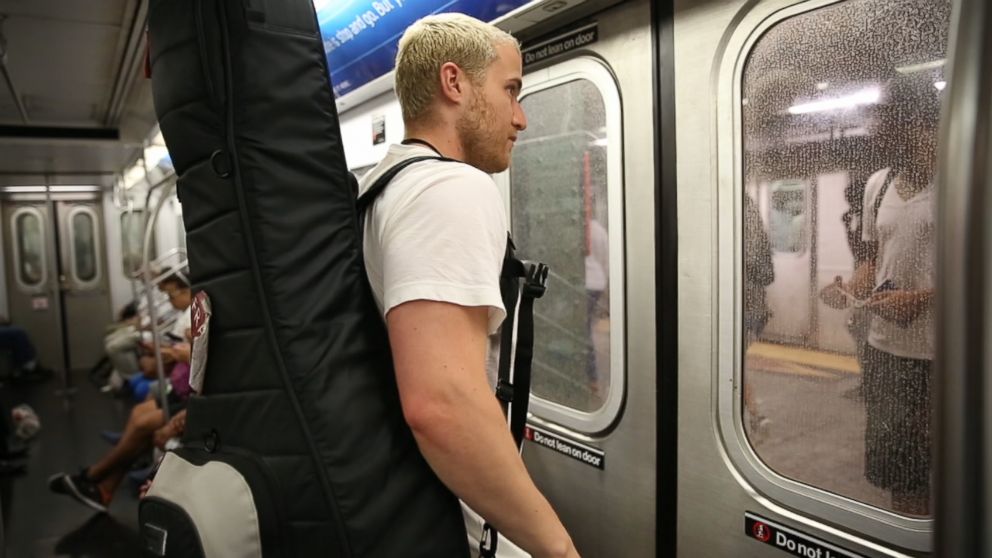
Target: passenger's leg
<point x="145" y="418"/>
<point x="95" y="486"/>
<point x="122" y="349"/>
<point x="911" y="435"/>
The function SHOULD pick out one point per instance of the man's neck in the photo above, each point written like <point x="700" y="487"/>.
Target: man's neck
<point x="446" y="143"/>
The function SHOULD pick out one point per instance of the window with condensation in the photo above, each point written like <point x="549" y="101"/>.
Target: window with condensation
<point x="132" y="241"/>
<point x="787" y="216"/>
<point x="85" y="263"/>
<point x="29" y="239"/>
<point x="840" y="109"/>
<point x="566" y="211"/>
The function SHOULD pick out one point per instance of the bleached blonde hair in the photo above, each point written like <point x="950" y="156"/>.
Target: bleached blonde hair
<point x="435" y="40"/>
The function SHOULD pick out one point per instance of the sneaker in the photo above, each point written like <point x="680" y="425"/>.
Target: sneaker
<point x="79" y="488"/>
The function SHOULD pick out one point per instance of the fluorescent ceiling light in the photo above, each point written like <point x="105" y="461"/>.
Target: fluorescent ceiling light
<point x="154" y="154"/>
<point x="134" y="175"/>
<point x="64" y="189"/>
<point x="24" y="189"/>
<point x="940" y="85"/>
<point x="921" y="67"/>
<point x="865" y="97"/>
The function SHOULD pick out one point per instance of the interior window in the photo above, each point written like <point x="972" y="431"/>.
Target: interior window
<point x="838" y="347"/>
<point x="787" y="216"/>
<point x="30" y="249"/>
<point x="84" y="246"/>
<point x="559" y="216"/>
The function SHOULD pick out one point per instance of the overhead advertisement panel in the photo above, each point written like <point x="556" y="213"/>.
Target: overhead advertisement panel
<point x="360" y="36"/>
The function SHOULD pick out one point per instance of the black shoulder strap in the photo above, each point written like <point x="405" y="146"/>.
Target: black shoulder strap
<point x="365" y="200"/>
<point x="523" y="282"/>
<point x="881" y="193"/>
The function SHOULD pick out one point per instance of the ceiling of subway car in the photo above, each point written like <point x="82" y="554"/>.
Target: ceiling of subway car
<point x="74" y="103"/>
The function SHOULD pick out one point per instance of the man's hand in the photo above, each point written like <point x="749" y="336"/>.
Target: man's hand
<point x="899" y="307"/>
<point x="180" y="352"/>
<point x="833" y="295"/>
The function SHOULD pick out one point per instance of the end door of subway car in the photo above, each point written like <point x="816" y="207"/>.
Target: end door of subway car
<point x="54" y="255"/>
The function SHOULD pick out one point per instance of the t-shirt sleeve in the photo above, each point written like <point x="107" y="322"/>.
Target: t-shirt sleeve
<point x="873" y="188"/>
<point x="446" y="244"/>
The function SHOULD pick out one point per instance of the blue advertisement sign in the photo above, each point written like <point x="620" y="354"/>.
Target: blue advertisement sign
<point x="360" y="36"/>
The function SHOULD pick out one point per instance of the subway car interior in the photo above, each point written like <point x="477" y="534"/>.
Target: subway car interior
<point x="766" y="330"/>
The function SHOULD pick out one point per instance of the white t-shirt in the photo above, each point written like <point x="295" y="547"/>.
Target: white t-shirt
<point x="438" y="232"/>
<point x="183" y="322"/>
<point x="598" y="258"/>
<point x="904" y="231"/>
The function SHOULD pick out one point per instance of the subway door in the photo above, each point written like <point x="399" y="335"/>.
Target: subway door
<point x="32" y="277"/>
<point x="581" y="178"/>
<point x="791" y="444"/>
<point x="83" y="280"/>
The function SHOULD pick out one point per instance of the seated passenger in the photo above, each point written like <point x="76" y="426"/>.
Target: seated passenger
<point x="95" y="485"/>
<point x="144" y="382"/>
<point x="16" y="342"/>
<point x="121" y="346"/>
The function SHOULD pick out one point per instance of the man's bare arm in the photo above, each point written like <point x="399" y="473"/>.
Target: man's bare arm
<point x="439" y="352"/>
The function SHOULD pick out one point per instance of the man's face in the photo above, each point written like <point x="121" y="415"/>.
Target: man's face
<point x="493" y="117"/>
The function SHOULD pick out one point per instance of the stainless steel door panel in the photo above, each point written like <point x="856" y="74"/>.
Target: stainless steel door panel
<point x="720" y="476"/>
<point x="611" y="512"/>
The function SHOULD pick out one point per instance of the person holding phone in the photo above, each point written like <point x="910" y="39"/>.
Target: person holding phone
<point x="95" y="485"/>
<point x="895" y="284"/>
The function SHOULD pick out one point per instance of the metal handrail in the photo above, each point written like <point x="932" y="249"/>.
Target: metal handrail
<point x="126" y="245"/>
<point x="151" y="219"/>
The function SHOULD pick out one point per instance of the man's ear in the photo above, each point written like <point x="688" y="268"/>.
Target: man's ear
<point x="452" y="82"/>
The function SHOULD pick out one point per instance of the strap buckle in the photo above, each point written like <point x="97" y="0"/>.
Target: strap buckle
<point x="504" y="391"/>
<point x="536" y="279"/>
<point x="487" y="546"/>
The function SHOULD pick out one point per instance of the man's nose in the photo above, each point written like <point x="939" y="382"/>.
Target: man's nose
<point x="519" y="118"/>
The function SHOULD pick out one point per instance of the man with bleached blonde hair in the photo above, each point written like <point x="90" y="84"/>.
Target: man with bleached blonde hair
<point x="434" y="243"/>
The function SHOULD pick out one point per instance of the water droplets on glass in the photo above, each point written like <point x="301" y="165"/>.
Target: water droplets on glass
<point x="84" y="246"/>
<point x="559" y="215"/>
<point x="30" y="249"/>
<point x="840" y="107"/>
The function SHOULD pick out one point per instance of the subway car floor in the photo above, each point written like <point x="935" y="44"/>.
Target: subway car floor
<point x="38" y="523"/>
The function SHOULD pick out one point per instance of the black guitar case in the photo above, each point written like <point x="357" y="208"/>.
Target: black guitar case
<point x="296" y="444"/>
